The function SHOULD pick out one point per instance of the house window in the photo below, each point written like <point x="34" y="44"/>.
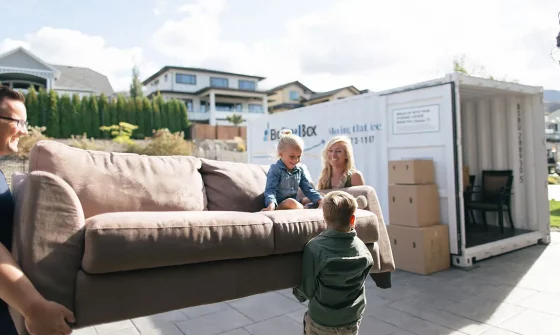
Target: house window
<point x="165" y="78"/>
<point x="189" y="104"/>
<point x="294" y="95"/>
<point x="218" y="82"/>
<point x="247" y="85"/>
<point x="185" y="79"/>
<point x="254" y="108"/>
<point x="228" y="107"/>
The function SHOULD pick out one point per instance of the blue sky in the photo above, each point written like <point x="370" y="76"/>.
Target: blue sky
<point x="323" y="43"/>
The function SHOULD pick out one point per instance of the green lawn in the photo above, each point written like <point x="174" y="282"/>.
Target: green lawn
<point x="555" y="214"/>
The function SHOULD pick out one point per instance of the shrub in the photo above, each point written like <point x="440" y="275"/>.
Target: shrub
<point x="165" y="143"/>
<point x="83" y="142"/>
<point x="26" y="143"/>
<point x="121" y="133"/>
<point x="553" y="179"/>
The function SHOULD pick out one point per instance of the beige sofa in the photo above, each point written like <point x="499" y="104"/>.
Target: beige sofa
<point x="115" y="236"/>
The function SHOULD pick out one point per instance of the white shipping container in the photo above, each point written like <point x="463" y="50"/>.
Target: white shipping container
<point x="458" y="120"/>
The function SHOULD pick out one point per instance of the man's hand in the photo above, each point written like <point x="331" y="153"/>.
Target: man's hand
<point x="48" y="318"/>
<point x="269" y="208"/>
<point x="320" y="203"/>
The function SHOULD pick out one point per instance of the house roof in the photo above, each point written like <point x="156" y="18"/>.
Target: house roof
<point x="83" y="78"/>
<point x="12" y="61"/>
<point x="329" y="93"/>
<point x="194" y="69"/>
<point x="303" y="87"/>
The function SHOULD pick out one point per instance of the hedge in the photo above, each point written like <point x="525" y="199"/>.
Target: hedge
<point x="64" y="116"/>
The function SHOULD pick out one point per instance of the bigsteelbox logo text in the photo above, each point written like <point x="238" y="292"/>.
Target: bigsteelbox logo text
<point x="302" y="130"/>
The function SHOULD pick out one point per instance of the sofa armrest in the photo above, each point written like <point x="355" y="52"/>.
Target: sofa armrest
<point x="48" y="237"/>
<point x="386" y="253"/>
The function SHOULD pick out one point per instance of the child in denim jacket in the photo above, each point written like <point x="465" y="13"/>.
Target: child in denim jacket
<point x="287" y="175"/>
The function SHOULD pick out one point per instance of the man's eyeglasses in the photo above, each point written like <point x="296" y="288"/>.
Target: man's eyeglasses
<point x="21" y="124"/>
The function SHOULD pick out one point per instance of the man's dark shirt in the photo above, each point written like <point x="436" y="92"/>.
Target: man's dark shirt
<point x="6" y="223"/>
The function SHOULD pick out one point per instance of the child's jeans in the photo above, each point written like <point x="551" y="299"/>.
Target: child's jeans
<point x="311" y="328"/>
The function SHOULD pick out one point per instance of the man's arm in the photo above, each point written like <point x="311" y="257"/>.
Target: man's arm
<point x="306" y="290"/>
<point x="42" y="316"/>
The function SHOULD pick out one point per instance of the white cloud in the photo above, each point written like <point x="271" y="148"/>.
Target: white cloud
<point x="71" y="47"/>
<point x="161" y="8"/>
<point x="376" y="46"/>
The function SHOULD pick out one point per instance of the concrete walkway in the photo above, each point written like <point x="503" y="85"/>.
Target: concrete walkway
<point x="517" y="293"/>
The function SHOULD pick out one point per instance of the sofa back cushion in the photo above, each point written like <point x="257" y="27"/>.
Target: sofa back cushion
<point x="121" y="182"/>
<point x="232" y="186"/>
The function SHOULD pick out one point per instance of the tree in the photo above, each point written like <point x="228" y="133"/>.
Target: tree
<point x="139" y="111"/>
<point x="104" y="112"/>
<point x="121" y="110"/>
<point x="235" y="119"/>
<point x="32" y="106"/>
<point x="53" y="121"/>
<point x="76" y="115"/>
<point x="136" y="85"/>
<point x="85" y="115"/>
<point x="93" y="128"/>
<point x="121" y="133"/>
<point x="148" y="115"/>
<point x="157" y="115"/>
<point x="43" y="107"/>
<point x="183" y="117"/>
<point x="460" y="67"/>
<point x="66" y="114"/>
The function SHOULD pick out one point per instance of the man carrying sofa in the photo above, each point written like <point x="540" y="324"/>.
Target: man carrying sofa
<point x="41" y="316"/>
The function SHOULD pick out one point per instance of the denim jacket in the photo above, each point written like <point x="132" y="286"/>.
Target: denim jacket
<point x="282" y="184"/>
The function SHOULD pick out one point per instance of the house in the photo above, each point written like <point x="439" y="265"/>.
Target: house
<point x="210" y="95"/>
<point x="295" y="94"/>
<point x="20" y="69"/>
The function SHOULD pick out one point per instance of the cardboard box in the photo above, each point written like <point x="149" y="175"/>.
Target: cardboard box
<point x="420" y="250"/>
<point x="418" y="171"/>
<point x="414" y="205"/>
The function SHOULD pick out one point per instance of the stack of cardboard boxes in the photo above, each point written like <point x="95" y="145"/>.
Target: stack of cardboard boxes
<point x="419" y="241"/>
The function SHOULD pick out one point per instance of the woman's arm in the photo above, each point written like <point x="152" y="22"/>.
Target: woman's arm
<point x="357" y="179"/>
<point x="41" y="316"/>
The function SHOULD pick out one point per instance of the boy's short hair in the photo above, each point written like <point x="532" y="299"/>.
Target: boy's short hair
<point x="338" y="208"/>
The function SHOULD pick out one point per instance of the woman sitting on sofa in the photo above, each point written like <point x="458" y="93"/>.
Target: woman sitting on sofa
<point x="338" y="169"/>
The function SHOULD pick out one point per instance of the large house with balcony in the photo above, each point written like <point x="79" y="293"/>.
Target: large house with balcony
<point x="295" y="95"/>
<point x="211" y="96"/>
<point x="20" y="69"/>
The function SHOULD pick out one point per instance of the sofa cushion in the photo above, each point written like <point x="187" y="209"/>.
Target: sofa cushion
<point x="294" y="228"/>
<point x="120" y="182"/>
<point x="141" y="240"/>
<point x="232" y="186"/>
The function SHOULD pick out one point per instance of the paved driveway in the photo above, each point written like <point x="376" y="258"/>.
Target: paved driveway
<point x="517" y="293"/>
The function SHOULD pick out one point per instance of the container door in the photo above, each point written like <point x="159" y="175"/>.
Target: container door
<point x="421" y="124"/>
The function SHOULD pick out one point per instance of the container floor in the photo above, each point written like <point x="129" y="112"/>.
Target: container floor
<point x="479" y="234"/>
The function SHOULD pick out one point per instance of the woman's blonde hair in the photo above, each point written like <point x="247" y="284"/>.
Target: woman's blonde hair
<point x="287" y="138"/>
<point x="326" y="173"/>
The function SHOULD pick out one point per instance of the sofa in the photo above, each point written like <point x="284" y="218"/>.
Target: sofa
<point x="113" y="236"/>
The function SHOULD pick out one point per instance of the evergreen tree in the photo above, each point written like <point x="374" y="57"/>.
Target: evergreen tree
<point x="121" y="110"/>
<point x="148" y="115"/>
<point x="136" y="85"/>
<point x="93" y="129"/>
<point x="113" y="113"/>
<point x="53" y="121"/>
<point x="85" y="116"/>
<point x="139" y="104"/>
<point x="103" y="105"/>
<point x="157" y="115"/>
<point x="32" y="106"/>
<point x="43" y="106"/>
<point x="183" y="118"/>
<point x="66" y="114"/>
<point x="164" y="114"/>
<point x="130" y="111"/>
<point x="76" y="115"/>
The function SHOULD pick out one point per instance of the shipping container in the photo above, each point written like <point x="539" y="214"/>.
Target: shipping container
<point x="466" y="125"/>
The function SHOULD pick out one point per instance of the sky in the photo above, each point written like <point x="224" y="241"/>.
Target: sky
<point x="325" y="44"/>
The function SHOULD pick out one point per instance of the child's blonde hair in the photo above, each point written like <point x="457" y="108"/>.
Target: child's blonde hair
<point x="326" y="173"/>
<point x="287" y="138"/>
<point x="338" y="208"/>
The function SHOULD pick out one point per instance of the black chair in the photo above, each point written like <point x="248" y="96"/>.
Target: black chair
<point x="493" y="195"/>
